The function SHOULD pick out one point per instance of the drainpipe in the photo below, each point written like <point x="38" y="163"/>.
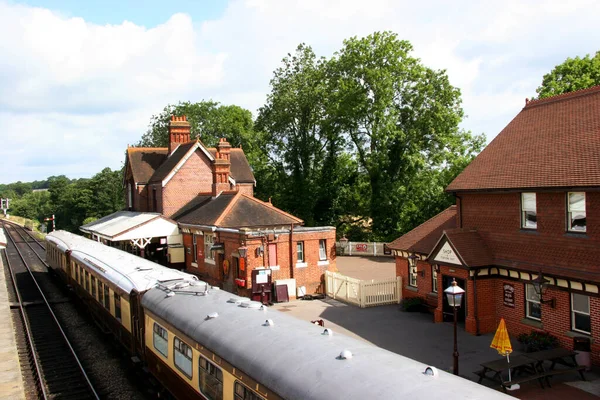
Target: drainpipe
<point x="477" y="333"/>
<point x="291" y="251"/>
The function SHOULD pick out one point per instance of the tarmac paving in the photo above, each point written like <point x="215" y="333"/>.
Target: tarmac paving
<point x="415" y="335"/>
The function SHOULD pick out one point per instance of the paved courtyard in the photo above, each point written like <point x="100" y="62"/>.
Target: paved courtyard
<point x="415" y="335"/>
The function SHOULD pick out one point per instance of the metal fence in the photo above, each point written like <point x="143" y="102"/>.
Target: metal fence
<point x="362" y="249"/>
<point x="363" y="293"/>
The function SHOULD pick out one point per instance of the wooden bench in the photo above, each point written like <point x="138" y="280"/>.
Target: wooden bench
<point x="550" y="374"/>
<point x="522" y="379"/>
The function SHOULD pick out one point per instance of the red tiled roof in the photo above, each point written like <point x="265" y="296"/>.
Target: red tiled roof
<point x="470" y="246"/>
<point x="425" y="236"/>
<point x="144" y="161"/>
<point x="552" y="142"/>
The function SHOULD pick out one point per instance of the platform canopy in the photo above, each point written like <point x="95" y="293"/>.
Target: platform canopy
<point x="2" y="239"/>
<point x="137" y="227"/>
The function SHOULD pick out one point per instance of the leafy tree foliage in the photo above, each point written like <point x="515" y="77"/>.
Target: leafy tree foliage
<point x="573" y="74"/>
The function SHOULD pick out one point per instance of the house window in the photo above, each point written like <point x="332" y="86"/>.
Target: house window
<point x="528" y="211"/>
<point x="211" y="380"/>
<point x="300" y="252"/>
<point x="576" y="220"/>
<point x="161" y="340"/>
<point x="434" y="281"/>
<point x="208" y="242"/>
<point x="532" y="303"/>
<point x="322" y="249"/>
<point x="129" y="195"/>
<point x="106" y="298"/>
<point x="117" y="306"/>
<point x="580" y="313"/>
<point x="195" y="244"/>
<point x="183" y="356"/>
<point x="412" y="272"/>
<point x="242" y="392"/>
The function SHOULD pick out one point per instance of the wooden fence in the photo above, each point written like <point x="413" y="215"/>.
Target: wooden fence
<point x="363" y="293"/>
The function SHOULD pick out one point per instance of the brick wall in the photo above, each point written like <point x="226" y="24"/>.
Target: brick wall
<point x="497" y="217"/>
<point x="195" y="176"/>
<point x="246" y="188"/>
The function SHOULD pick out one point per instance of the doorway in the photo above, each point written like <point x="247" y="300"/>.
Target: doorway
<point x="448" y="312"/>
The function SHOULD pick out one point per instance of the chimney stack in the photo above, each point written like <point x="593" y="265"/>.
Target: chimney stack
<point x="221" y="168"/>
<point x="179" y="132"/>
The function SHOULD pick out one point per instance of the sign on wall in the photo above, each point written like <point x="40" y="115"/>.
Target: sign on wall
<point x="361" y="247"/>
<point x="509" y="295"/>
<point x="447" y="255"/>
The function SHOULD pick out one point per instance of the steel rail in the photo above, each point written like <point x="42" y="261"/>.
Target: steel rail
<point x="68" y="343"/>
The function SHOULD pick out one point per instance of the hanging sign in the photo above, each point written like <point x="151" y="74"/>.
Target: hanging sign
<point x="509" y="295"/>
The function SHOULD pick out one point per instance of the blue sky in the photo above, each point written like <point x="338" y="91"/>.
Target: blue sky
<point x="81" y="79"/>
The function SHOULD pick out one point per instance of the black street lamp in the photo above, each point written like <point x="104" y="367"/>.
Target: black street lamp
<point x="454" y="293"/>
<point x="540" y="285"/>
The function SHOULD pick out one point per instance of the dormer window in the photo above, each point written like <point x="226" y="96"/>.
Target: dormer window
<point x="576" y="221"/>
<point x="528" y="211"/>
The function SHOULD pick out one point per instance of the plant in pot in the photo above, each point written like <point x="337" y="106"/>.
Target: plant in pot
<point x="412" y="304"/>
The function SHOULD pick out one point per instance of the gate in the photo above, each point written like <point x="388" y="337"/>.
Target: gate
<point x="363" y="293"/>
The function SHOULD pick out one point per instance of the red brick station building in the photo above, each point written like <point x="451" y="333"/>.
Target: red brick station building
<point x="193" y="208"/>
<point x="527" y="206"/>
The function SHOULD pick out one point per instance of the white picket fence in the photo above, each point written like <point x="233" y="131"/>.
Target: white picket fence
<point x="363" y="293"/>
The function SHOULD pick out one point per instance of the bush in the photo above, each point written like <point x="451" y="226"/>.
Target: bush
<point x="412" y="304"/>
<point x="536" y="341"/>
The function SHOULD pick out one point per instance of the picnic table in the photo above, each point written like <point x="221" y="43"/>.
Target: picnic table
<point x="530" y="366"/>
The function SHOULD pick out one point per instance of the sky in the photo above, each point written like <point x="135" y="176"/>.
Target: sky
<point x="80" y="80"/>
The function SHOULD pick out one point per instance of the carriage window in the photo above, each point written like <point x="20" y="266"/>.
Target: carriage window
<point x="211" y="380"/>
<point x="106" y="298"/>
<point x="93" y="287"/>
<point x="242" y="392"/>
<point x="117" y="306"/>
<point x="87" y="281"/>
<point x="77" y="271"/>
<point x="183" y="356"/>
<point x="100" y="293"/>
<point x="161" y="340"/>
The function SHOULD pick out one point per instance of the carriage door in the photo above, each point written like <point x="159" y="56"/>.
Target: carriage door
<point x="448" y="312"/>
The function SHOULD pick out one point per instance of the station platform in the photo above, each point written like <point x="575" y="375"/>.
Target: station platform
<point x="11" y="382"/>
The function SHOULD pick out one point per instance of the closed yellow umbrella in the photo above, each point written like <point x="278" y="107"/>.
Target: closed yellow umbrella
<point x="502" y="344"/>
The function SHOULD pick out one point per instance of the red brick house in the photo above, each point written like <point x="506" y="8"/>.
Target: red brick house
<point x="528" y="205"/>
<point x="209" y="193"/>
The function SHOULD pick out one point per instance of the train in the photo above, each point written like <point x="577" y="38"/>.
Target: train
<point x="201" y="342"/>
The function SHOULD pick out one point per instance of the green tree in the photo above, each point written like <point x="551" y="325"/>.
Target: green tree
<point x="209" y="121"/>
<point x="107" y="190"/>
<point x="402" y="119"/>
<point x="573" y="74"/>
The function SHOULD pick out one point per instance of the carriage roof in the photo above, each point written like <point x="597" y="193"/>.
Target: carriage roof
<point x="127" y="271"/>
<point x="295" y="358"/>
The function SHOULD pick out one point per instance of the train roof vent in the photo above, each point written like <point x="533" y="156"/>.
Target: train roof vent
<point x="269" y="322"/>
<point x="327" y="332"/>
<point x="251" y="304"/>
<point x="235" y="301"/>
<point x="212" y="315"/>
<point x="345" y="355"/>
<point x="143" y="268"/>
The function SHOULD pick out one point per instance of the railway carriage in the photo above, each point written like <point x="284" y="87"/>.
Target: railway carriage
<point x="203" y="343"/>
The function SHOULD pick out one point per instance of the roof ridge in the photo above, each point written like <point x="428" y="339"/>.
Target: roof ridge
<point x="562" y="96"/>
<point x="271" y="206"/>
<point x="147" y="148"/>
<point x="232" y="202"/>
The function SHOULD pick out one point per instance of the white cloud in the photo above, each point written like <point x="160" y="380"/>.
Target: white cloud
<point x="74" y="94"/>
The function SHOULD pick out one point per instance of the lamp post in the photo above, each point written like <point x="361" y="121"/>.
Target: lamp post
<point x="454" y="293"/>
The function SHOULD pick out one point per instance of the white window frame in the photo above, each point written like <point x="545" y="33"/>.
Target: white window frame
<point x="412" y="274"/>
<point x="300" y="258"/>
<point x="529" y="290"/>
<point x="570" y="212"/>
<point x="160" y="333"/>
<point x="573" y="312"/>
<point x="183" y="357"/>
<point x="209" y="255"/>
<point x="434" y="279"/>
<point x="129" y="195"/>
<point x="212" y="373"/>
<point x="195" y="247"/>
<point x="528" y="209"/>
<point x="322" y="249"/>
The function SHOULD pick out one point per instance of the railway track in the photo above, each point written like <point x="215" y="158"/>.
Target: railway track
<point x="58" y="373"/>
